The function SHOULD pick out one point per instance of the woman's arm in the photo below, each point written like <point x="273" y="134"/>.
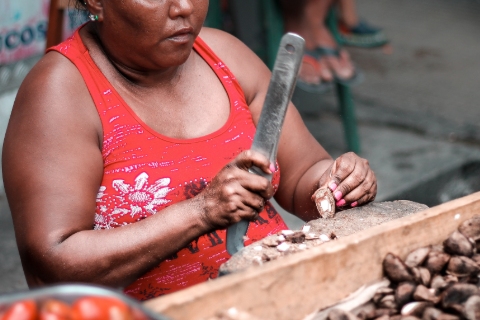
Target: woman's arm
<point x="304" y="163"/>
<point x="53" y="167"/>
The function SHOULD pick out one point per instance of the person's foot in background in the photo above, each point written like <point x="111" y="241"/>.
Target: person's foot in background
<point x="324" y="62"/>
<point x="353" y="31"/>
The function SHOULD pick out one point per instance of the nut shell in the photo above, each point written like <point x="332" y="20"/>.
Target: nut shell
<point x="404" y="293"/>
<point x="471" y="228"/>
<point x="417" y="257"/>
<point x="395" y="269"/>
<point x="458" y="244"/>
<point x="463" y="267"/>
<point x="436" y="261"/>
<point x="458" y="294"/>
<point x="472" y="308"/>
<point x="325" y="202"/>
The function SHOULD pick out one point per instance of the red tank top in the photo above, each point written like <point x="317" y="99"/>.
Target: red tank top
<point x="145" y="172"/>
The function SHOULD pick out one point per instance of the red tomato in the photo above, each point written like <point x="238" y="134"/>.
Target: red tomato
<point x="100" y="308"/>
<point x="21" y="310"/>
<point x="51" y="316"/>
<point x="55" y="310"/>
<point x="138" y="314"/>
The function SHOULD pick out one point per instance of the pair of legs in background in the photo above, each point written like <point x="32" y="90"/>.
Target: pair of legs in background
<point x="326" y="26"/>
<point x="325" y="61"/>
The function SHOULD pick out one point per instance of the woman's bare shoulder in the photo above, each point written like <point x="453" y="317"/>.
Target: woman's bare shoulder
<point x="52" y="78"/>
<point x="229" y="49"/>
<point x="53" y="88"/>
<point x="52" y="102"/>
<point x="250" y="71"/>
<point x="219" y="40"/>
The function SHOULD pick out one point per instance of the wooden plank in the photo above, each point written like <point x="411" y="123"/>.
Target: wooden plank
<point x="297" y="285"/>
<point x="55" y="24"/>
<point x="55" y="20"/>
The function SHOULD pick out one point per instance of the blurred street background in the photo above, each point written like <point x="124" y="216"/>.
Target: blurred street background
<point x="417" y="110"/>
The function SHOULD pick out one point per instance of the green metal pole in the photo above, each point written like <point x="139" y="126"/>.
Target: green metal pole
<point x="332" y="24"/>
<point x="344" y="93"/>
<point x="274" y="29"/>
<point x="347" y="111"/>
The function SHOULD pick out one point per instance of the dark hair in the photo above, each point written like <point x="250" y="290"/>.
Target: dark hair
<point x="79" y="4"/>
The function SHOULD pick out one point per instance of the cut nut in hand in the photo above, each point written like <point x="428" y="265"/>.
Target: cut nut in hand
<point x="325" y="202"/>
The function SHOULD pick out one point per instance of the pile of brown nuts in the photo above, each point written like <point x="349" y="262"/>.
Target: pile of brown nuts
<point x="433" y="283"/>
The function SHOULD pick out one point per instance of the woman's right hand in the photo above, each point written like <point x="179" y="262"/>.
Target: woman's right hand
<point x="234" y="193"/>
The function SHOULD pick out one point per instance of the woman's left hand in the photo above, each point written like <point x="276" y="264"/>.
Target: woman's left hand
<point x="351" y="180"/>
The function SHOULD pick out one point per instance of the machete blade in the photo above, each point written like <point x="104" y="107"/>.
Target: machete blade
<point x="280" y="91"/>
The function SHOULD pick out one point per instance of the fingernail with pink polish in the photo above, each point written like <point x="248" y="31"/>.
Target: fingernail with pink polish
<point x="354" y="204"/>
<point x="338" y="195"/>
<point x="333" y="186"/>
<point x="341" y="203"/>
<point x="272" y="167"/>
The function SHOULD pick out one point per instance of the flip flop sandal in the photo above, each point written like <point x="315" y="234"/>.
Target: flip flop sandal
<point x="354" y="80"/>
<point x="362" y="35"/>
<point x="311" y="58"/>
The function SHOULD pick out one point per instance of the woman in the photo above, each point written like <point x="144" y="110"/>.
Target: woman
<point x="126" y="154"/>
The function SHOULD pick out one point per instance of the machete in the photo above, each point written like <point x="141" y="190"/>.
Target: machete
<point x="279" y="93"/>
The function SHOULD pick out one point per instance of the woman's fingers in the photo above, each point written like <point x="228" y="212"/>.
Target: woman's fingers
<point x="251" y="181"/>
<point x="364" y="192"/>
<point x="255" y="205"/>
<point x="250" y="158"/>
<point x="250" y="203"/>
<point x="229" y="203"/>
<point x="341" y="169"/>
<point x="352" y="181"/>
<point x="245" y="205"/>
<point x="257" y="184"/>
<point x="235" y="193"/>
